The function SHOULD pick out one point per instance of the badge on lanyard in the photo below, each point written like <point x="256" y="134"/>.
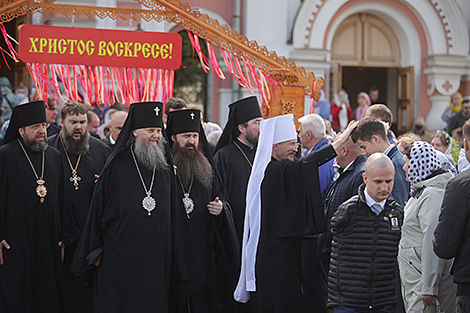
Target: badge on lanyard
<point x="393" y="220"/>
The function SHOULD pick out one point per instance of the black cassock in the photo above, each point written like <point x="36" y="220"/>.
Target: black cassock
<point x="77" y="297"/>
<point x="134" y="274"/>
<point x="31" y="278"/>
<point x="291" y="207"/>
<point x="90" y="164"/>
<point x="217" y="249"/>
<point x="235" y="171"/>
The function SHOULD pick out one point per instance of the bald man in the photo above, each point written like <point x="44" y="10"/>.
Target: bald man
<point x="115" y="125"/>
<point x="366" y="231"/>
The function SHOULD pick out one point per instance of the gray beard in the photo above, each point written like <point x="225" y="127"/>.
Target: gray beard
<point x="36" y="146"/>
<point x="76" y="147"/>
<point x="192" y="163"/>
<point x="151" y="156"/>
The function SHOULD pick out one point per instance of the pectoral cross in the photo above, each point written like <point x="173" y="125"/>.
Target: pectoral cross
<point x="157" y="109"/>
<point x="75" y="179"/>
<point x="192" y="116"/>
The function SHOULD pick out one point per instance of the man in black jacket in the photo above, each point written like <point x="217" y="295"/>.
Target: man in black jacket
<point x="366" y="232"/>
<point x="452" y="234"/>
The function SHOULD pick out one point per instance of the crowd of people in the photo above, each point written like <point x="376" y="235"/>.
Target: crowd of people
<point x="152" y="209"/>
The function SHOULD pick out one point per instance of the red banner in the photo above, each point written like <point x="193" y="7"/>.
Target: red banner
<point x="90" y="46"/>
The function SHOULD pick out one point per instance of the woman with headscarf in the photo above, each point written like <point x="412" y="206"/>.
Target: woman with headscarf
<point x="363" y="101"/>
<point x="425" y="277"/>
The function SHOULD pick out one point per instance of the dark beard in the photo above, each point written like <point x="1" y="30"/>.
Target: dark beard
<point x="151" y="156"/>
<point x="192" y="163"/>
<point x="252" y="139"/>
<point x="36" y="146"/>
<point x="76" y="147"/>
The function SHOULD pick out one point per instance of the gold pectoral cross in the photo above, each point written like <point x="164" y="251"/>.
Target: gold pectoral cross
<point x="75" y="179"/>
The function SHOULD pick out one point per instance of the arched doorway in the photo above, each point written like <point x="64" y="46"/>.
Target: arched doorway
<point x="365" y="52"/>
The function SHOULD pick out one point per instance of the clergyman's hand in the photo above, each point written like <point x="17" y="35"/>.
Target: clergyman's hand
<point x="97" y="263"/>
<point x="3" y="244"/>
<point x="341" y="140"/>
<point x="62" y="250"/>
<point x="215" y="207"/>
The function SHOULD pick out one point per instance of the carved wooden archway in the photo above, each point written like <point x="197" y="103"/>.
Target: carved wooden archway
<point x="279" y="69"/>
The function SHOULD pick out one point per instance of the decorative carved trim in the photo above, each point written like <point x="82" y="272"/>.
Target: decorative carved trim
<point x="182" y="14"/>
<point x="232" y="41"/>
<point x="288" y="106"/>
<point x="445" y="22"/>
<point x="311" y="21"/>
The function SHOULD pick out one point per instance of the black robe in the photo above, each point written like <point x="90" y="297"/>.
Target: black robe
<point x="235" y="171"/>
<point x="31" y="278"/>
<point x="136" y="263"/>
<point x="291" y="207"/>
<point x="90" y="164"/>
<point x="217" y="248"/>
<point x="77" y="297"/>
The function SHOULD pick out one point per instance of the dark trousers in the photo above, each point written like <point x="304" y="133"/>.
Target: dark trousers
<point x="463" y="304"/>
<point x="315" y="284"/>
<point x="343" y="309"/>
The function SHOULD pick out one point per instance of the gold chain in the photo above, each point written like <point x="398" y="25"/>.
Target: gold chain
<point x="239" y="148"/>
<point x="30" y="163"/>
<point x="190" y="185"/>
<point x="74" y="170"/>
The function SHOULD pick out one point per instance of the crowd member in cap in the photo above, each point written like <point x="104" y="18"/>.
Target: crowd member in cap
<point x="31" y="198"/>
<point x="129" y="234"/>
<point x="235" y="153"/>
<point x="83" y="157"/>
<point x="51" y="114"/>
<point x="116" y="122"/>
<point x="425" y="278"/>
<point x="284" y="203"/>
<point x="366" y="232"/>
<point x="203" y="198"/>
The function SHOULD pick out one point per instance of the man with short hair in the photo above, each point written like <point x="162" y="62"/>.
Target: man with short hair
<point x="351" y="162"/>
<point x="203" y="198"/>
<point x="115" y="125"/>
<point x="313" y="137"/>
<point x="83" y="157"/>
<point x="284" y="204"/>
<point x="452" y="234"/>
<point x="384" y="114"/>
<point x="31" y="202"/>
<point x="173" y="104"/>
<point x="371" y="137"/>
<point x="374" y="95"/>
<point x="235" y="153"/>
<point x="366" y="233"/>
<point x="93" y="123"/>
<point x="459" y="119"/>
<point x="51" y="114"/>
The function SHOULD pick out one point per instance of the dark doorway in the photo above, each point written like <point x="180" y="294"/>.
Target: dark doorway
<point x="357" y="79"/>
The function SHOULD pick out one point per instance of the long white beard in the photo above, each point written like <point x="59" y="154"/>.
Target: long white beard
<point x="151" y="156"/>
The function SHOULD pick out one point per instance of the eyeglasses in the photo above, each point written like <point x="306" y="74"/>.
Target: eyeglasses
<point x="294" y="145"/>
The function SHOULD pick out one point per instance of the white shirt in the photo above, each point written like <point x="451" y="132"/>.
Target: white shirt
<point x="370" y="202"/>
